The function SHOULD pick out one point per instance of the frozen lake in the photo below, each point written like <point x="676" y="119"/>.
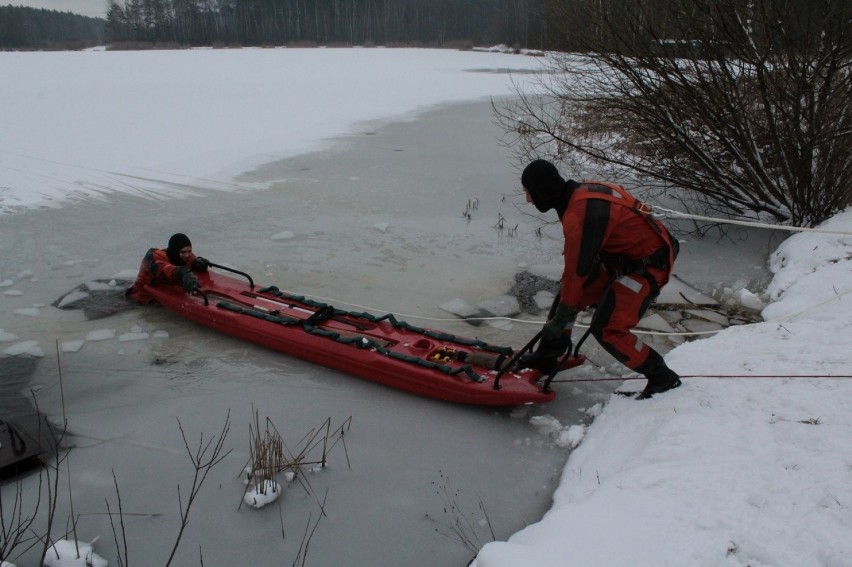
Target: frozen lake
<point x="123" y="398"/>
<point x="374" y="221"/>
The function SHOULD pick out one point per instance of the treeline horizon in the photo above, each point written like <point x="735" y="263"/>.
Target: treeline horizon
<point x="39" y="28"/>
<point x="324" y="22"/>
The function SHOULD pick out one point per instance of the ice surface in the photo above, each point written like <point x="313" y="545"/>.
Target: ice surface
<point x="655" y="322"/>
<point x="637" y="461"/>
<point x="6" y="336"/>
<point x="503" y="306"/>
<point x="285" y="235"/>
<point x="72" y="346"/>
<point x="101" y="286"/>
<point x="543" y="299"/>
<point x="71" y="298"/>
<point x="31" y="348"/>
<point x="133" y="336"/>
<point x="100" y="335"/>
<point x="460" y="307"/>
<point x="28" y="311"/>
<point x="708" y="315"/>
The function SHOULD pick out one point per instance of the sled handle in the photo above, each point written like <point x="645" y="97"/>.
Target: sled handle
<point x="245" y="275"/>
<point x="515" y="359"/>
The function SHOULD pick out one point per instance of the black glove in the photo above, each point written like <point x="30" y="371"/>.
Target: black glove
<point x="547" y="355"/>
<point x="563" y="320"/>
<point x="200" y="264"/>
<point x="187" y="279"/>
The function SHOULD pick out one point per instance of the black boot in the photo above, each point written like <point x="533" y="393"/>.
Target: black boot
<point x="661" y="378"/>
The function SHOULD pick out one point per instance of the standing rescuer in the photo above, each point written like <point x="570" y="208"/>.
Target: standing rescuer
<point x="173" y="264"/>
<point x="617" y="257"/>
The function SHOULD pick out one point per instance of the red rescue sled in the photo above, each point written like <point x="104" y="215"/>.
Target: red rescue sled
<point x="377" y="348"/>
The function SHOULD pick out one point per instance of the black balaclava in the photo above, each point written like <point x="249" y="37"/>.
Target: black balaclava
<point x="176" y="242"/>
<point x="547" y="189"/>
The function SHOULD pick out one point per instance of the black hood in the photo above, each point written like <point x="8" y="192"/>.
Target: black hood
<point x="176" y="243"/>
<point x="547" y="189"/>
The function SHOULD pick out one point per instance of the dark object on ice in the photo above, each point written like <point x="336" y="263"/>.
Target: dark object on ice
<point x="18" y="451"/>
<point x="527" y="285"/>
<point x="97" y="303"/>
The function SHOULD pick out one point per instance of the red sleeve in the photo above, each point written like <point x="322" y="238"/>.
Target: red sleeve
<point x="166" y="271"/>
<point x="572" y="230"/>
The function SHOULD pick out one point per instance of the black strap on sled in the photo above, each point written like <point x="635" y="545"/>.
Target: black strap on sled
<point x="325" y="312"/>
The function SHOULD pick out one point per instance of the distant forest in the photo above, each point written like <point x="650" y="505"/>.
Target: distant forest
<point x="325" y="22"/>
<point x="137" y="23"/>
<point x="36" y="28"/>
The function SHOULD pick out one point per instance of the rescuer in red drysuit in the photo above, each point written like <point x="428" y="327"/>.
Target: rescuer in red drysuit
<point x="617" y="257"/>
<point x="173" y="264"/>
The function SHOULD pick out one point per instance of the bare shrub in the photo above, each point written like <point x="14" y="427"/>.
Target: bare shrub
<point x="745" y="104"/>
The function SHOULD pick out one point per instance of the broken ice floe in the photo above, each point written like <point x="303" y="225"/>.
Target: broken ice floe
<point x="101" y="286"/>
<point x="284" y="235"/>
<point x="460" y="308"/>
<point x="565" y="437"/>
<point x="674" y="316"/>
<point x="543" y="299"/>
<point x="746" y="299"/>
<point x="654" y="322"/>
<point x="6" y="336"/>
<point x="100" y="335"/>
<point x="70" y="299"/>
<point x="678" y="292"/>
<point x="30" y="348"/>
<point x="72" y="346"/>
<point x="503" y="306"/>
<point x="707" y="315"/>
<point x="28" y="312"/>
<point x="136" y="333"/>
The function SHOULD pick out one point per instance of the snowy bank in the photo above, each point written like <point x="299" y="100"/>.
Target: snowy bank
<point x="723" y="471"/>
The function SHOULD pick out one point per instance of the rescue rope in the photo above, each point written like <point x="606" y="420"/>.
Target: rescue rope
<point x="671" y="213"/>
<point x="508" y="319"/>
<point x="715" y="376"/>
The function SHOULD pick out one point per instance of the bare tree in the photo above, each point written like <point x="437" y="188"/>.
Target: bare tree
<point x="744" y="103"/>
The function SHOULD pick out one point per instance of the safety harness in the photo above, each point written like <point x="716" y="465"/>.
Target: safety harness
<point x="618" y="263"/>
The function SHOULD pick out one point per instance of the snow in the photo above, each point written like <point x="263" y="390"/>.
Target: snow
<point x="259" y="496"/>
<point x="256" y="116"/>
<point x="734" y="471"/>
<point x="68" y="553"/>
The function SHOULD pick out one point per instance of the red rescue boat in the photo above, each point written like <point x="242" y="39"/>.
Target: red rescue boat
<point x="377" y="348"/>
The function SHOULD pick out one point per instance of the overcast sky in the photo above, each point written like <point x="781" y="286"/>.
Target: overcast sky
<point x="93" y="8"/>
